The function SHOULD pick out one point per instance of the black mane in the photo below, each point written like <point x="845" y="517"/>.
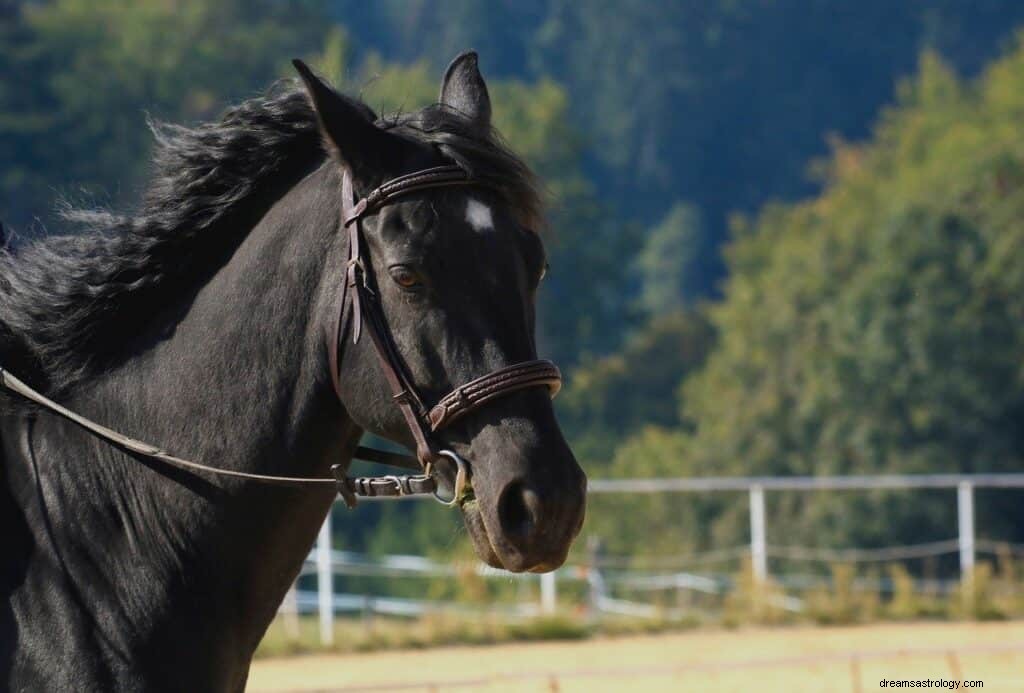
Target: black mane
<point x="68" y="303"/>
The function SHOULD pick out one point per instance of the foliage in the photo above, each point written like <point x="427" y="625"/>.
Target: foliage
<point x="88" y="72"/>
<point x="375" y="633"/>
<point x="754" y="601"/>
<point x="840" y="602"/>
<point x="877" y="327"/>
<point x="661" y="523"/>
<point x="669" y="265"/>
<point x="611" y="397"/>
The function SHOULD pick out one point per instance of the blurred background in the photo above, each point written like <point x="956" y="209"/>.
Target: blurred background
<point x="786" y="240"/>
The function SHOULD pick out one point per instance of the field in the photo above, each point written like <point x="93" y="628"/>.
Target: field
<point x="766" y="660"/>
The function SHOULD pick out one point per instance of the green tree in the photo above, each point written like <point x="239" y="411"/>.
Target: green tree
<point x="648" y="525"/>
<point x="669" y="266"/>
<point x="26" y="116"/>
<point x="86" y="73"/>
<point x="877" y="327"/>
<point x="610" y="398"/>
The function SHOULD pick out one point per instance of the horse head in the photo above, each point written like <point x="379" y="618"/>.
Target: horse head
<point x="454" y="272"/>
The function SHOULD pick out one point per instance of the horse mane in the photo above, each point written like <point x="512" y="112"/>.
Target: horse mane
<point x="69" y="300"/>
<point x="69" y="303"/>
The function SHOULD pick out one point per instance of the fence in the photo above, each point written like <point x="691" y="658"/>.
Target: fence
<point x="326" y="562"/>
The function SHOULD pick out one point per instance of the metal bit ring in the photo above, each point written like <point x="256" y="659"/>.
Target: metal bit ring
<point x="461" y="479"/>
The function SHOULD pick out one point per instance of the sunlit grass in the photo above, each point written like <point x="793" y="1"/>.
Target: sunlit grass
<point x="384" y="633"/>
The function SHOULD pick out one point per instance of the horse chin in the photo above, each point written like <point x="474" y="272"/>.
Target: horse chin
<point x="474" y="520"/>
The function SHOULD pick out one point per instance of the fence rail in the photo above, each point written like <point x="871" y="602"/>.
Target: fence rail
<point x="805" y="483"/>
<point x="325" y="562"/>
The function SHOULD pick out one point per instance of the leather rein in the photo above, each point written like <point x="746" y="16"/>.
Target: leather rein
<point x="359" y="306"/>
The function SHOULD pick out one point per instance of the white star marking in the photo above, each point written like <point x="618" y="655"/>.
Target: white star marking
<point x="479" y="216"/>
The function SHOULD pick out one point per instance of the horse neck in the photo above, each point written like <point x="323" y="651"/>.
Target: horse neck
<point x="236" y="381"/>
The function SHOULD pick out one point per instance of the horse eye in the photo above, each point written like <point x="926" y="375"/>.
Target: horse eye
<point x="405" y="277"/>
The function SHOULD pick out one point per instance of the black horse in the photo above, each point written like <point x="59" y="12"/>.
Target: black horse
<point x="198" y="322"/>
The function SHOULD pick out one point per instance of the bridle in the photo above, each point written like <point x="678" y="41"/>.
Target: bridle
<point x="359" y="306"/>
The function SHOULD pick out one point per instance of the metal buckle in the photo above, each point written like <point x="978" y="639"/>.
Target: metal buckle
<point x="461" y="479"/>
<point x="401" y="484"/>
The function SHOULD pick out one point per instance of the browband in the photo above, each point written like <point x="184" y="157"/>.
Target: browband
<point x="437" y="177"/>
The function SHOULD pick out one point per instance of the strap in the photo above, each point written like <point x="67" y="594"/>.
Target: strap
<point x="348" y="488"/>
<point x="364" y="306"/>
<point x="347" y="289"/>
<point x="504" y="381"/>
<point x="392" y="486"/>
<point x="138" y="447"/>
<point x="391" y="459"/>
<point x="436" y="177"/>
<point x="402" y="390"/>
<point x="354" y="267"/>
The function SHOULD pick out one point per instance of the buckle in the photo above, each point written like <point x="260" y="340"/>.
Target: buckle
<point x="401" y="484"/>
<point x="356" y="212"/>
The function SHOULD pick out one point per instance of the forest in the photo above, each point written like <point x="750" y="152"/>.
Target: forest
<point x="785" y="236"/>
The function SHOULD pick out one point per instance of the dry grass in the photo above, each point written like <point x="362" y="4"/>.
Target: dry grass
<point x="769" y="660"/>
<point x="382" y="633"/>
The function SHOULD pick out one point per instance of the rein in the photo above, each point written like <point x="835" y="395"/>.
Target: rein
<point x="359" y="305"/>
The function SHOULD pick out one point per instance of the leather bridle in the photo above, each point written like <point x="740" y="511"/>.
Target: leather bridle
<point x="359" y="307"/>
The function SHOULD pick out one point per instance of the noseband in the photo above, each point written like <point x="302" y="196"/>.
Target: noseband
<point x="359" y="306"/>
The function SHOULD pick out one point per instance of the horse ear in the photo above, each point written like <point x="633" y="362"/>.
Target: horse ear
<point x="348" y="129"/>
<point x="464" y="90"/>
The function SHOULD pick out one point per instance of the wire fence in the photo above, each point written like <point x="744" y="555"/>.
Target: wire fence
<point x="638" y="586"/>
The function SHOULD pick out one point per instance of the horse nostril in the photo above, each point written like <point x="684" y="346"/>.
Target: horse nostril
<point x="519" y="512"/>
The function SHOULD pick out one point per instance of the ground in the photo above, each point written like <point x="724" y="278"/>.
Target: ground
<point x="851" y="659"/>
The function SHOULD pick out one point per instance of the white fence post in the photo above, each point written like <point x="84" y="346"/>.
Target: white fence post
<point x="325" y="583"/>
<point x="758" y="545"/>
<point x="548" y="593"/>
<point x="965" y="521"/>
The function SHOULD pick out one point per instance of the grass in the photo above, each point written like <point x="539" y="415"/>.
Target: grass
<point x="991" y="593"/>
<point x="382" y="633"/>
<point x="790" y="659"/>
